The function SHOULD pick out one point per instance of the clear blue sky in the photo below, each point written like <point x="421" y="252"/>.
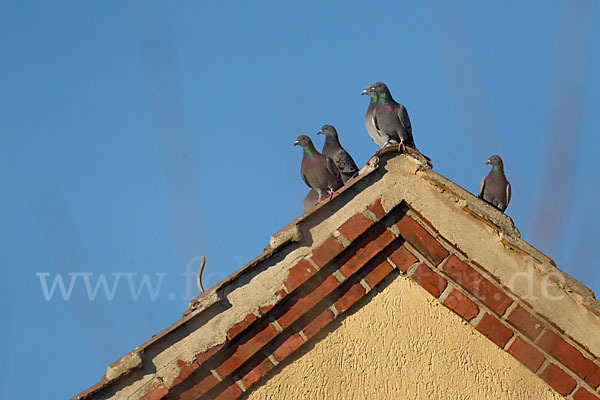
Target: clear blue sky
<point x="136" y="136"/>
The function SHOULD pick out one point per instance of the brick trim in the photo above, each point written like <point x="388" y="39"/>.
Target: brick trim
<point x="367" y="248"/>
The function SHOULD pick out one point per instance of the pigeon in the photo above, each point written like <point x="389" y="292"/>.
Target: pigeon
<point x="387" y="121"/>
<point x="494" y="188"/>
<point x="310" y="201"/>
<point x="318" y="171"/>
<point x="333" y="149"/>
<point x="379" y="139"/>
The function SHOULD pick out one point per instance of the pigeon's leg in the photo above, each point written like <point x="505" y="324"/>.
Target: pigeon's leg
<point x="320" y="199"/>
<point x="331" y="193"/>
<point x="401" y="146"/>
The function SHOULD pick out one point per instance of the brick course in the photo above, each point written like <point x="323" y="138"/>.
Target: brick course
<point x="421" y="240"/>
<point x="476" y="284"/>
<point x="255" y="344"/>
<point x="570" y="357"/>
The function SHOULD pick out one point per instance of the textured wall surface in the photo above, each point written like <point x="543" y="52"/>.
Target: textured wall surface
<point x="402" y="344"/>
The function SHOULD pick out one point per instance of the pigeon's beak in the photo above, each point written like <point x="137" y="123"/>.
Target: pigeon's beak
<point x="487" y="162"/>
<point x="364" y="92"/>
<point x="296" y="143"/>
<point x="320" y="132"/>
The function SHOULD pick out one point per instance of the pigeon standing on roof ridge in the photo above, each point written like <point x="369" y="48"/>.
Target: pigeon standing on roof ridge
<point x="495" y="188"/>
<point x="378" y="137"/>
<point x="333" y="149"/>
<point x="318" y="171"/>
<point x="389" y="118"/>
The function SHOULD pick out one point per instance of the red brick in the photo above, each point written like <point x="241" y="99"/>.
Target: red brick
<point x="208" y="353"/>
<point x="299" y="274"/>
<point x="594" y="379"/>
<point x="421" y="240"/>
<point x="281" y="294"/>
<point x="462" y="305"/>
<point x="494" y="330"/>
<point x="402" y="258"/>
<point x="317" y="323"/>
<point x="265" y="309"/>
<point x="527" y="354"/>
<point x="249" y="343"/>
<point x="355" y="226"/>
<point x="202" y="383"/>
<point x="231" y="392"/>
<point x="284" y="346"/>
<point x="352" y="292"/>
<point x="369" y="246"/>
<point x="185" y="370"/>
<point x="239" y="327"/>
<point x="156" y="393"/>
<point x="429" y="279"/>
<point x="583" y="394"/>
<point x="570" y="357"/>
<point x="526" y="323"/>
<point x="327" y="251"/>
<point x="377" y="209"/>
<point x="476" y="284"/>
<point x="422" y="219"/>
<point x="304" y="301"/>
<point x="253" y="371"/>
<point x="558" y="379"/>
<point x="376" y="270"/>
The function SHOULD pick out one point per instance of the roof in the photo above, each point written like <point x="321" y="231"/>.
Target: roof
<point x="398" y="217"/>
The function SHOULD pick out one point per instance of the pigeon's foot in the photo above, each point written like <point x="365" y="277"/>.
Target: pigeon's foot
<point x="331" y="193"/>
<point x="401" y="146"/>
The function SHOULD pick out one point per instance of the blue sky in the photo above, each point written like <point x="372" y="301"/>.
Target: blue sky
<point x="137" y="136"/>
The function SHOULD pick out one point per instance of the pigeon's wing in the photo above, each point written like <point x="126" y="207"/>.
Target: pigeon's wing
<point x="345" y="163"/>
<point x="375" y="121"/>
<point x="481" y="186"/>
<point x="305" y="180"/>
<point x="507" y="193"/>
<point x="403" y="117"/>
<point x="331" y="168"/>
<point x="405" y="121"/>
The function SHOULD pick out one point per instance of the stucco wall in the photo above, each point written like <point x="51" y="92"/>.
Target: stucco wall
<point x="402" y="344"/>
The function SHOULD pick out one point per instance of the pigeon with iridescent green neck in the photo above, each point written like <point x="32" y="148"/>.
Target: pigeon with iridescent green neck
<point x="318" y="171"/>
<point x="387" y="120"/>
<point x="377" y="136"/>
<point x="332" y="148"/>
<point x="494" y="188"/>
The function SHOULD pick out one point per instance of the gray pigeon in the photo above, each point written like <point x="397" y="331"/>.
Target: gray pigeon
<point x="387" y="120"/>
<point x="494" y="188"/>
<point x="310" y="201"/>
<point x="318" y="171"/>
<point x="333" y="149"/>
<point x="379" y="139"/>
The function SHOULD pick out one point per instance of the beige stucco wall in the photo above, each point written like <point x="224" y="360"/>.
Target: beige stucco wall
<point x="402" y="344"/>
